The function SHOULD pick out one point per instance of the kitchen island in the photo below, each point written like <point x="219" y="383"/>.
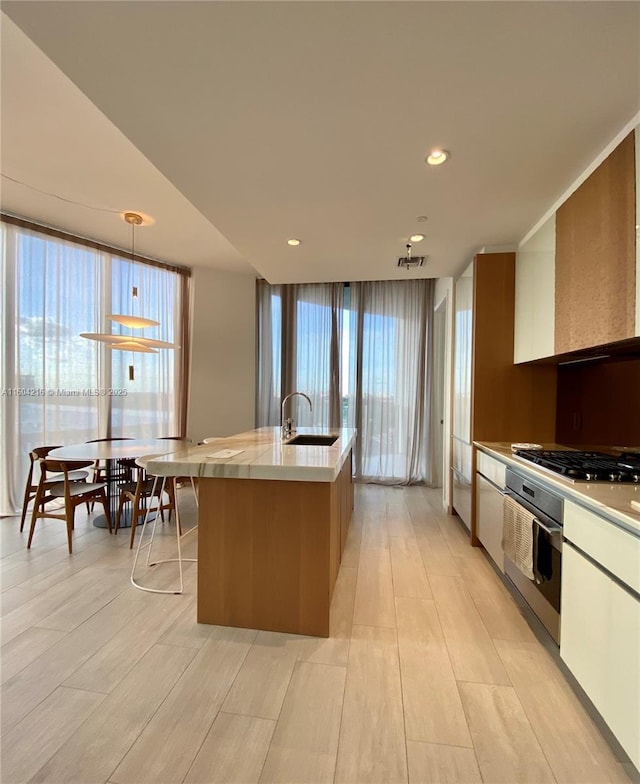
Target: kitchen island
<point x="272" y="523"/>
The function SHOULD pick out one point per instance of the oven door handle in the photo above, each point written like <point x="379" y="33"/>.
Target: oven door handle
<point x="551" y="531"/>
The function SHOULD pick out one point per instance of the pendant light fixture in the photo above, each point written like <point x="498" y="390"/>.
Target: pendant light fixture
<point x="130" y="342"/>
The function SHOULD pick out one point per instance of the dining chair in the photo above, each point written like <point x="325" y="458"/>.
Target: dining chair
<point x="160" y="483"/>
<point x="72" y="492"/>
<point x="31" y="488"/>
<point x="140" y="494"/>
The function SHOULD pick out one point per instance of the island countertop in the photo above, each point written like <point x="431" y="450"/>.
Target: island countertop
<point x="260" y="454"/>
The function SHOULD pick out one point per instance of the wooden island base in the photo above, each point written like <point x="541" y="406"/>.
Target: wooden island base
<point x="269" y="551"/>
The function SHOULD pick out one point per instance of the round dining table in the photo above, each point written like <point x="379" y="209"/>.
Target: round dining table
<point x="110" y="452"/>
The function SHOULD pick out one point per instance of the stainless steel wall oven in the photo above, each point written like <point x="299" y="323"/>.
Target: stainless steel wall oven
<point x="542" y="593"/>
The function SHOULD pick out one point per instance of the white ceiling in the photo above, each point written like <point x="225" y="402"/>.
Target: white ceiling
<point x="240" y="124"/>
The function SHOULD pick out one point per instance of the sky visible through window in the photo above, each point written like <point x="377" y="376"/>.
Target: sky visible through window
<point x="63" y="289"/>
<point x="313" y="329"/>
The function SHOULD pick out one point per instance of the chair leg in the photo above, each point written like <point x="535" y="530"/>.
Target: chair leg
<point x="171" y="492"/>
<point x="105" y="505"/>
<point x="32" y="528"/>
<point x="25" y="504"/>
<point x="70" y="515"/>
<point x="123" y="501"/>
<point x="135" y="512"/>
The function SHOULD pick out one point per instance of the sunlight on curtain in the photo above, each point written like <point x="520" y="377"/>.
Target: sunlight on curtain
<point x="392" y="380"/>
<point x="316" y="330"/>
<point x="59" y="388"/>
<point x="363" y="353"/>
<point x="149" y="409"/>
<point x="269" y="358"/>
<point x="299" y="329"/>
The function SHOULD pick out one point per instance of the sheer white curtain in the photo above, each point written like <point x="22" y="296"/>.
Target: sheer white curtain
<point x="150" y="408"/>
<point x="390" y="384"/>
<point x="269" y="353"/>
<point x="299" y="334"/>
<point x="377" y="337"/>
<point x="318" y="324"/>
<point x="58" y="388"/>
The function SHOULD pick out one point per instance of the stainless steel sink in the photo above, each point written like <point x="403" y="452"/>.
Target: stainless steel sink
<point x="312" y="440"/>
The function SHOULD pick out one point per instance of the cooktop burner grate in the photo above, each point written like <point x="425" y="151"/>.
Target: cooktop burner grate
<point x="586" y="466"/>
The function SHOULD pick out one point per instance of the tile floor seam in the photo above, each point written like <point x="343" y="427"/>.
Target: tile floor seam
<point x="146" y="724"/>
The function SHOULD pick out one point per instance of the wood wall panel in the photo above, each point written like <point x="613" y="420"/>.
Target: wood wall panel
<point x="595" y="256"/>
<point x="510" y="402"/>
<point x="599" y="404"/>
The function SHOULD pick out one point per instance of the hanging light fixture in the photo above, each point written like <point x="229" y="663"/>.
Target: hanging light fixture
<point x="130" y="342"/>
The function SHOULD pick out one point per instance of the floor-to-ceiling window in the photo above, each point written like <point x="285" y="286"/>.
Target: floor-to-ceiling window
<point x="60" y="388"/>
<point x="363" y="353"/>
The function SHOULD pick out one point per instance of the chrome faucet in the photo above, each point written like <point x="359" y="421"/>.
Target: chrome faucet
<point x="287" y="424"/>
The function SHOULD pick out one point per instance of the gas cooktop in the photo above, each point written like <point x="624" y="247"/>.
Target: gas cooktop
<point x="586" y="466"/>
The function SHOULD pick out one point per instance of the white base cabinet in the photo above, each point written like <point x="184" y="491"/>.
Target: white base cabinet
<point x="489" y="520"/>
<point x="490" y="479"/>
<point x="600" y="644"/>
<point x="461" y="497"/>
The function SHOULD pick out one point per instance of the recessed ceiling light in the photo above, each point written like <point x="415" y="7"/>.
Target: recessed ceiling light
<point x="293" y="241"/>
<point x="436" y="157"/>
<point x="416" y="237"/>
<point x="422" y="218"/>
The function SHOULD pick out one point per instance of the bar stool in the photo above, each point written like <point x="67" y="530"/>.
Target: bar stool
<point x="178" y="479"/>
<point x="161" y="483"/>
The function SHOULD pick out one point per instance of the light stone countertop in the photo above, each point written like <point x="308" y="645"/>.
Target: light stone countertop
<point x="262" y="456"/>
<point x="608" y="499"/>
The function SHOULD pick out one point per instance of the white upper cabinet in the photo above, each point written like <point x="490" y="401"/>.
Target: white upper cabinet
<point x="535" y="295"/>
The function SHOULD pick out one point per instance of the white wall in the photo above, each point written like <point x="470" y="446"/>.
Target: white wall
<point x="444" y="292"/>
<point x="222" y="383"/>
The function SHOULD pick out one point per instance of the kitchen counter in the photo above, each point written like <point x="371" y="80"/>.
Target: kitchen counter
<point x="261" y="455"/>
<point x="609" y="500"/>
<point x="272" y="525"/>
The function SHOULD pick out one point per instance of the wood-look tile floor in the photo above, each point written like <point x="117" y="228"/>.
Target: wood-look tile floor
<point x="431" y="673"/>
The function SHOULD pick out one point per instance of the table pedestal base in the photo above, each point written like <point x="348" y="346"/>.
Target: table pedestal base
<point x="125" y="520"/>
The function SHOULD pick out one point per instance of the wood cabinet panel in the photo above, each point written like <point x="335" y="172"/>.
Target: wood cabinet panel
<point x="637" y="145"/>
<point x="264" y="559"/>
<point x="505" y="402"/>
<point x="598" y="403"/>
<point x="510" y="402"/>
<point x="269" y="551"/>
<point x="595" y="274"/>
